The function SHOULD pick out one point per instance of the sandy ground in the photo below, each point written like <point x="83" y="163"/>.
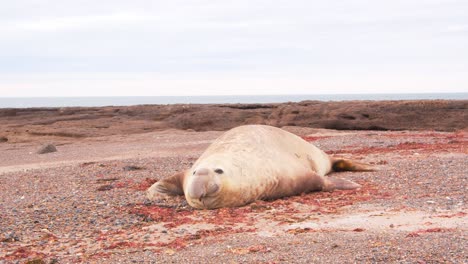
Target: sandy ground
<point x="85" y="204"/>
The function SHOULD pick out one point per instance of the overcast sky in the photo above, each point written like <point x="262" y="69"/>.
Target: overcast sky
<point x="206" y="47"/>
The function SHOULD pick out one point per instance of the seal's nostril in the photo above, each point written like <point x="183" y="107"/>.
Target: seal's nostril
<point x="194" y="172"/>
<point x="219" y="171"/>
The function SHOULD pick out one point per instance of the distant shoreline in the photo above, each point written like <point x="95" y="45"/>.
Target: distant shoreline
<point x="28" y="102"/>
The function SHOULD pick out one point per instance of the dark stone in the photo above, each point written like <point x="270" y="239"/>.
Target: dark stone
<point x="132" y="168"/>
<point x="11" y="237"/>
<point x="106" y="187"/>
<point x="48" y="148"/>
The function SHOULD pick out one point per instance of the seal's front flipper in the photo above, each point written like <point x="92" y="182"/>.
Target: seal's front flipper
<point x="170" y="186"/>
<point x="333" y="183"/>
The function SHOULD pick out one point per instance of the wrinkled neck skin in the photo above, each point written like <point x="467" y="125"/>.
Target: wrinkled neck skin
<point x="205" y="187"/>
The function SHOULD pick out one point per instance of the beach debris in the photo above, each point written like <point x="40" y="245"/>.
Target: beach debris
<point x="430" y="230"/>
<point x="36" y="261"/>
<point x="47" y="148"/>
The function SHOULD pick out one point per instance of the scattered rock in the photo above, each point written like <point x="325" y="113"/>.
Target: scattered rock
<point x="11" y="237"/>
<point x="106" y="180"/>
<point x="132" y="168"/>
<point x="359" y="229"/>
<point x="88" y="163"/>
<point x="48" y="148"/>
<point x="106" y="187"/>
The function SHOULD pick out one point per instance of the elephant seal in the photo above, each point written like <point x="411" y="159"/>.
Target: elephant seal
<point x="255" y="162"/>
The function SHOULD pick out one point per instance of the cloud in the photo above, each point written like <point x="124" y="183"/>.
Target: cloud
<point x="57" y="24"/>
<point x="244" y="38"/>
<point x="457" y="28"/>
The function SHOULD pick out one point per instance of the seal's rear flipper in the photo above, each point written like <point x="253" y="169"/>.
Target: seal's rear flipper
<point x="170" y="186"/>
<point x="333" y="183"/>
<point x="340" y="164"/>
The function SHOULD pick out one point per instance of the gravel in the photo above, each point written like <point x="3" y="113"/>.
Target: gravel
<point x="87" y="204"/>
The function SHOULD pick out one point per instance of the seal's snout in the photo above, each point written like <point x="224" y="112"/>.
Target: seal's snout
<point x="203" y="184"/>
<point x="197" y="189"/>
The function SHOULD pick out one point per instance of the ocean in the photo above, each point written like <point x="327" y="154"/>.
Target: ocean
<point x="23" y="102"/>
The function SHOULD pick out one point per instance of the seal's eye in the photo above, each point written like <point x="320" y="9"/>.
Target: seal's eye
<point x="194" y="172"/>
<point x="219" y="171"/>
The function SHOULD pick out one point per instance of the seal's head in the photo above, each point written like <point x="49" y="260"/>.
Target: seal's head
<point x="207" y="184"/>
<point x="203" y="186"/>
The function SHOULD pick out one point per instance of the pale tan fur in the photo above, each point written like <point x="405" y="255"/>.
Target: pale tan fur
<point x="259" y="162"/>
